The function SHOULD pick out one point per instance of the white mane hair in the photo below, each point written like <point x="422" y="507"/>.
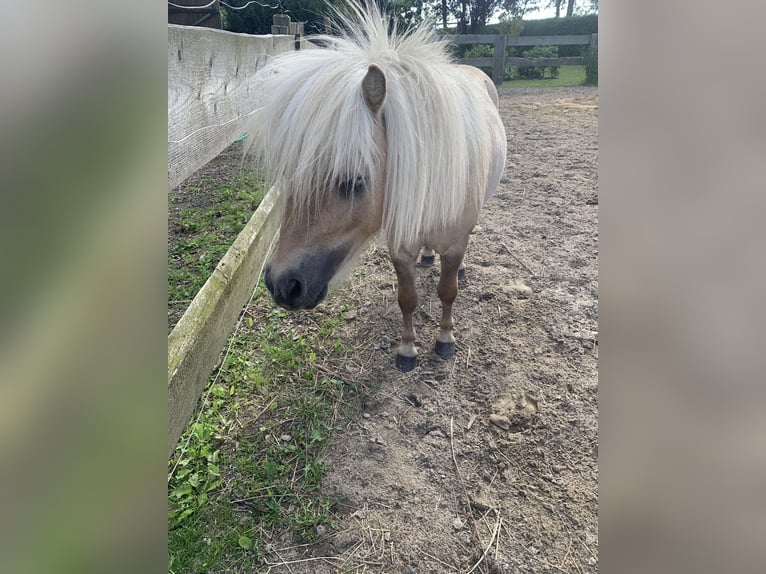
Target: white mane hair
<point x="313" y="128"/>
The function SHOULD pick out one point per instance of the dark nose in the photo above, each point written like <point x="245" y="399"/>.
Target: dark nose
<point x="290" y="291"/>
<point x="287" y="290"/>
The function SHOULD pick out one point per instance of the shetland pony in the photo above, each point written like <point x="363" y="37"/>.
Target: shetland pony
<point x="377" y="132"/>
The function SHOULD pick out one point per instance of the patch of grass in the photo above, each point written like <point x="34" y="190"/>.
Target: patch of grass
<point x="202" y="235"/>
<point x="249" y="466"/>
<point x="568" y="76"/>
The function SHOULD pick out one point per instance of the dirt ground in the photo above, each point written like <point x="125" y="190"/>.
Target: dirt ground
<point x="487" y="462"/>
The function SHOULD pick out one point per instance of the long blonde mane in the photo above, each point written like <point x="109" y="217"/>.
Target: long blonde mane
<point x="313" y="127"/>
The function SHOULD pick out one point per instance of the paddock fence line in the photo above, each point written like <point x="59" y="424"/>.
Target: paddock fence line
<point x="499" y="61"/>
<point x="211" y="94"/>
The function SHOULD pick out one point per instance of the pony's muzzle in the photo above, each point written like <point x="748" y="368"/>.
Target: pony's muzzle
<point x="303" y="286"/>
<point x="292" y="292"/>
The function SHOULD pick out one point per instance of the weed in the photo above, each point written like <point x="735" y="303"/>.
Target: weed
<point x="253" y="466"/>
<point x="566" y="76"/>
<point x="202" y="235"/>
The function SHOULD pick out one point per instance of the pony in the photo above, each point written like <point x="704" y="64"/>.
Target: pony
<point x="377" y="133"/>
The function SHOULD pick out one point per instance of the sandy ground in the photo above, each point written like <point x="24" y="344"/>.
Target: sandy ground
<point x="487" y="462"/>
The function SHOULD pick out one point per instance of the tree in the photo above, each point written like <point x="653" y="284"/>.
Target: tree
<point x="556" y="3"/>
<point x="519" y="8"/>
<point x="472" y="15"/>
<point x="570" y="7"/>
<point x="589" y="7"/>
<point x="407" y="12"/>
<point x="481" y="10"/>
<point x="257" y="18"/>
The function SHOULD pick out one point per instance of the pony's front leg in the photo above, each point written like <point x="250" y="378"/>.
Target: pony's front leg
<point x="404" y="264"/>
<point x="451" y="265"/>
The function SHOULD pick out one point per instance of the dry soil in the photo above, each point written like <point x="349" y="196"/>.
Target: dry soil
<point x="486" y="462"/>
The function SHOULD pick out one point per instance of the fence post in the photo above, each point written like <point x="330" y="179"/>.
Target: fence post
<point x="594" y="42"/>
<point x="498" y="64"/>
<point x="281" y="24"/>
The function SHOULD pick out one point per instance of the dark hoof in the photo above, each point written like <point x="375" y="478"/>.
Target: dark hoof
<point x="427" y="260"/>
<point x="405" y="364"/>
<point x="461" y="274"/>
<point x="444" y="350"/>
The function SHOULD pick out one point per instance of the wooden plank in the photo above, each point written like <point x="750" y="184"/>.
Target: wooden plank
<point x="211" y="89"/>
<point x="549" y="40"/>
<point x="471" y="38"/>
<point x="569" y="40"/>
<point x="485" y="62"/>
<point x="571" y="61"/>
<point x="196" y="342"/>
<point x="498" y="66"/>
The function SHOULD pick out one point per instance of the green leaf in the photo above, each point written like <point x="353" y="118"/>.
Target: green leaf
<point x="181" y="490"/>
<point x="316" y="436"/>
<point x="201" y="499"/>
<point x="218" y="391"/>
<point x="184" y="514"/>
<point x="249" y="321"/>
<point x="194" y="480"/>
<point x="246" y="542"/>
<point x="184" y="472"/>
<point x="213" y="469"/>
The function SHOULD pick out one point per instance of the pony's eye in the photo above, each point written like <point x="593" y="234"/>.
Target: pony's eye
<point x="352" y="187"/>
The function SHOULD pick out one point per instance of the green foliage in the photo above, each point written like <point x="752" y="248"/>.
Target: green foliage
<point x="476" y="50"/>
<point x="590" y="61"/>
<point x="538" y="72"/>
<point x="508" y="26"/>
<point x="250" y="464"/>
<point x="568" y="76"/>
<point x="206" y="233"/>
<point x="574" y="26"/>
<point x="257" y="19"/>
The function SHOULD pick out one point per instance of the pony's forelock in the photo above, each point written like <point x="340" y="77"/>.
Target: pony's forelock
<point x="313" y="127"/>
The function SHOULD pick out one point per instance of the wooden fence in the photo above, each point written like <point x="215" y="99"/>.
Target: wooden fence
<point x="211" y="92"/>
<point x="499" y="61"/>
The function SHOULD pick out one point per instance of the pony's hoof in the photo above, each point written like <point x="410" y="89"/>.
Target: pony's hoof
<point x="427" y="260"/>
<point x="461" y="274"/>
<point x="444" y="350"/>
<point x="405" y="364"/>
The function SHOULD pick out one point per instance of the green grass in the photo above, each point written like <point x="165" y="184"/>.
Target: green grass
<point x="200" y="236"/>
<point x="249" y="466"/>
<point x="568" y="76"/>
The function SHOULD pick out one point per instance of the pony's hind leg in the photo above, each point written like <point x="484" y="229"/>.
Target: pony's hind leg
<point x="451" y="266"/>
<point x="406" y="355"/>
<point x="427" y="257"/>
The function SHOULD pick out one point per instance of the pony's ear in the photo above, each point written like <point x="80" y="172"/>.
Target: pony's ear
<point x="374" y="88"/>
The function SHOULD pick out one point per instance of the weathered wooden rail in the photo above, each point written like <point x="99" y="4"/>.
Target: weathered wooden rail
<point x="211" y="93"/>
<point x="498" y="61"/>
